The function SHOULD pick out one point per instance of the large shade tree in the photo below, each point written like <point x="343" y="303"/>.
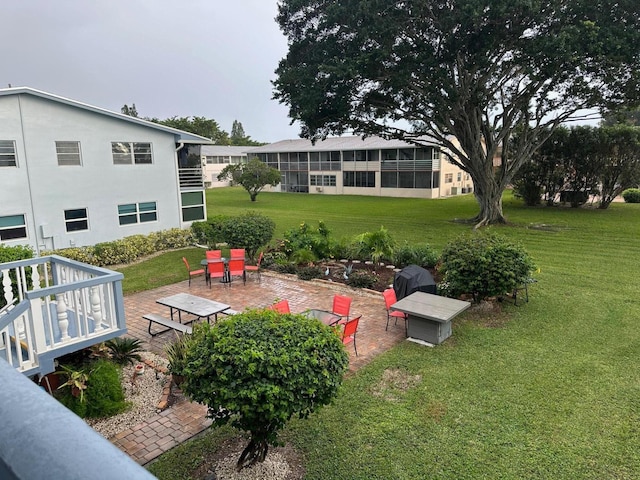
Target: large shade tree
<point x="467" y="73"/>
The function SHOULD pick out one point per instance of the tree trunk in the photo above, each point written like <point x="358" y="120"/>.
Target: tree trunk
<point x="253" y="196"/>
<point x="255" y="452"/>
<point x="490" y="201"/>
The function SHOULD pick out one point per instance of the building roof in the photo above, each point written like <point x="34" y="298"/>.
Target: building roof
<point x="181" y="136"/>
<point x="224" y="150"/>
<point x="337" y="143"/>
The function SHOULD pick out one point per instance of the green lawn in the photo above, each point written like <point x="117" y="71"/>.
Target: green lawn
<point x="553" y="393"/>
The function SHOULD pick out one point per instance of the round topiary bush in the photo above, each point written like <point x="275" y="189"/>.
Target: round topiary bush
<point x="258" y="368"/>
<point x="631" y="195"/>
<point x="484" y="265"/>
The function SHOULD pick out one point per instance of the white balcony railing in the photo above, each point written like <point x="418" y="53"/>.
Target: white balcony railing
<point x="54" y="306"/>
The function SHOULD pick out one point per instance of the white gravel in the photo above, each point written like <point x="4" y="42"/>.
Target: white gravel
<point x="274" y="467"/>
<point x="142" y="391"/>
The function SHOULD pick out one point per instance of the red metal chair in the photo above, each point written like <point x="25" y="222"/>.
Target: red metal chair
<point x="236" y="269"/>
<point x="341" y="306"/>
<point x="349" y="332"/>
<point x="213" y="254"/>
<point x="256" y="267"/>
<point x="237" y="253"/>
<point x="281" y="307"/>
<point x="192" y="273"/>
<point x="389" y="299"/>
<point x="215" y="270"/>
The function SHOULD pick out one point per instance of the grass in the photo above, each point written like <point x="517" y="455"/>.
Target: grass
<point x="553" y="392"/>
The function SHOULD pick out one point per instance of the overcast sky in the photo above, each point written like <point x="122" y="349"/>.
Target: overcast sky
<point x="210" y="58"/>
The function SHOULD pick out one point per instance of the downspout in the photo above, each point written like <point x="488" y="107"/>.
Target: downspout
<point x="26" y="166"/>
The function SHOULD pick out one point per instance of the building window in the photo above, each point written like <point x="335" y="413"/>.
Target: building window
<point x="76" y="220"/>
<point x="448" y="177"/>
<point x="459" y="176"/>
<point x="8" y="153"/>
<point x="359" y="179"/>
<point x="322" y="180"/>
<point x="13" y="227"/>
<point x="130" y="213"/>
<point x="127" y="153"/>
<point x="192" y="206"/>
<point x="68" y="153"/>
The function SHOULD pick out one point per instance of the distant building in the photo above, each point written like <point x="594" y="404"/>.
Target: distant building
<point x="72" y="174"/>
<point x="371" y="166"/>
<point x="216" y="157"/>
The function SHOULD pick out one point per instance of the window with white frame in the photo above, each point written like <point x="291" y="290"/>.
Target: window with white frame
<point x="130" y="213"/>
<point x="13" y="227"/>
<point x="76" y="220"/>
<point x="192" y="206"/>
<point x="68" y="153"/>
<point x="128" y="153"/>
<point x="448" y="178"/>
<point x="459" y="176"/>
<point x="8" y="153"/>
<point x="322" y="180"/>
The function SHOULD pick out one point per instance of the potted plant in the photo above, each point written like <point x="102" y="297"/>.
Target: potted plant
<point x="176" y="354"/>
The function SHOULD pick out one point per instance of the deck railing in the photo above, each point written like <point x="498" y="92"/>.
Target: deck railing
<point x="56" y="306"/>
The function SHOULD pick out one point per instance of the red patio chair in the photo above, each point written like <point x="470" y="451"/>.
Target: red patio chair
<point x="281" y="307"/>
<point x="341" y="306"/>
<point x="389" y="299"/>
<point x="349" y="332"/>
<point x="192" y="273"/>
<point x="255" y="268"/>
<point x="215" y="270"/>
<point x="237" y="253"/>
<point x="213" y="254"/>
<point x="236" y="269"/>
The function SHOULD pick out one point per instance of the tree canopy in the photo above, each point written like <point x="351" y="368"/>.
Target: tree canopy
<point x="258" y="368"/>
<point x="239" y="138"/>
<point x="465" y="73"/>
<point x="253" y="176"/>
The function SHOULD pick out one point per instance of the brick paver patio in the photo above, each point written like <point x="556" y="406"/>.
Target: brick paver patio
<point x="184" y="419"/>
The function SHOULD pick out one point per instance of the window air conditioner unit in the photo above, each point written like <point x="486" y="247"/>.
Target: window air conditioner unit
<point x="319" y="189"/>
<point x="454" y="190"/>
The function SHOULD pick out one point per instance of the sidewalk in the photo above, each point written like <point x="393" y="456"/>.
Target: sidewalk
<point x="184" y="419"/>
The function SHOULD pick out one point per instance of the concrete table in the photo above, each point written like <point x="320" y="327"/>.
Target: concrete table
<point x="429" y="316"/>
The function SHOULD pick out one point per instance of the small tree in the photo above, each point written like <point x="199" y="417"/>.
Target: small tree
<point x="259" y="368"/>
<point x="250" y="231"/>
<point x="484" y="265"/>
<point x="253" y="176"/>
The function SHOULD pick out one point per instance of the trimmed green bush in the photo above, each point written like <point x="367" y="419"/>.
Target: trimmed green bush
<point x="422" y="255"/>
<point x="103" y="396"/>
<point x="250" y="231"/>
<point x="484" y="265"/>
<point x="359" y="279"/>
<point x="259" y="368"/>
<point x="309" y="273"/>
<point x="631" y="195"/>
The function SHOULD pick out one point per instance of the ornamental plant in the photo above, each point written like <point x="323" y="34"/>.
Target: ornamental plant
<point x="631" y="195"/>
<point x="250" y="231"/>
<point x="259" y="368"/>
<point x="483" y="265"/>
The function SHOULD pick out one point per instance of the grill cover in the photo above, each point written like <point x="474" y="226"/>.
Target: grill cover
<point x="413" y="279"/>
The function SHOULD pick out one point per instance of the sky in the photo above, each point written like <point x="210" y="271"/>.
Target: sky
<point x="209" y="58"/>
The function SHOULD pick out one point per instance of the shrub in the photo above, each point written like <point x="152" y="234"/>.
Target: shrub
<point x="309" y="273"/>
<point x="360" y="279"/>
<point x="210" y="232"/>
<point x="102" y="395"/>
<point x="124" y="350"/>
<point x="315" y="240"/>
<point x="484" y="265"/>
<point x="631" y="195"/>
<point x="250" y="231"/>
<point x="422" y="255"/>
<point x="79" y="254"/>
<point x="177" y="353"/>
<point x="11" y="254"/>
<point x="257" y="369"/>
<point x="376" y="246"/>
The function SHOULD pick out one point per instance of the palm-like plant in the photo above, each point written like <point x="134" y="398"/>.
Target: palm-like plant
<point x="124" y="350"/>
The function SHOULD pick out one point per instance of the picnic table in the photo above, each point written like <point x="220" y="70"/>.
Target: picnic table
<point x="429" y="316"/>
<point x="198" y="306"/>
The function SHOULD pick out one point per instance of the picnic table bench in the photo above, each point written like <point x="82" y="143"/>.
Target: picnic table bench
<point x="170" y="324"/>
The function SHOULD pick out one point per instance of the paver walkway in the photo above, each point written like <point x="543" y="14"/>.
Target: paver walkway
<point x="184" y="419"/>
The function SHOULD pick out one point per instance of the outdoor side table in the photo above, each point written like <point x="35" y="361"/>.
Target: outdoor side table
<point x="429" y="316"/>
<point x="325" y="317"/>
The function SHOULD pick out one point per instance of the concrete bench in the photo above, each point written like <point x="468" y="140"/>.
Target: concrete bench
<point x="159" y="319"/>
